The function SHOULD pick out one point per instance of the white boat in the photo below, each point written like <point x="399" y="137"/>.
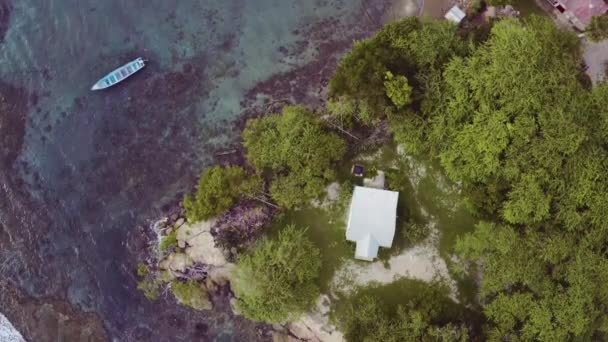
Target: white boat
<point x="120" y="74"/>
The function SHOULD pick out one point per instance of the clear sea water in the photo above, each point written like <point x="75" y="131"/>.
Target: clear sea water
<point x="95" y="166"/>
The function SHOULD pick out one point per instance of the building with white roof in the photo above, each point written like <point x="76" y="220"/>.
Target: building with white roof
<point x="455" y="14"/>
<point x="371" y="221"/>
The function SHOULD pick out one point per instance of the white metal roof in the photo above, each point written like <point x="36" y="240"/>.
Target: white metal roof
<point x="455" y="14"/>
<point x="371" y="220"/>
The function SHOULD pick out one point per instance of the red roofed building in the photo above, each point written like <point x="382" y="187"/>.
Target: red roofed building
<point x="579" y="12"/>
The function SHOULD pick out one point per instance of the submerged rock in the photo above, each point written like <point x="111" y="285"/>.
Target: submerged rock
<point x="191" y="294"/>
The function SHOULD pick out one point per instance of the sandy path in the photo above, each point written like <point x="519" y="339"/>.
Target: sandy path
<point x="596" y="57"/>
<point x="420" y="262"/>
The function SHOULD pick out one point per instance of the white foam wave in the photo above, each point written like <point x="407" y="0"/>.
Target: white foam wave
<point x="8" y="333"/>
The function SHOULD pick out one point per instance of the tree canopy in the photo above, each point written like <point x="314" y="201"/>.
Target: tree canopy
<point x="277" y="280"/>
<point x="384" y="69"/>
<point x="296" y="150"/>
<point x="368" y="318"/>
<point x="218" y="189"/>
<point x="512" y="122"/>
<point x="519" y="131"/>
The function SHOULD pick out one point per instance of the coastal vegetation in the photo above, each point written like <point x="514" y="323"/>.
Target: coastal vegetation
<point x="169" y="241"/>
<point x="218" y="189"/>
<point x="147" y="283"/>
<point x="276" y="281"/>
<point x="512" y="121"/>
<point x="297" y="153"/>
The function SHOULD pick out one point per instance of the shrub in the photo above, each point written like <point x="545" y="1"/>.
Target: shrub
<point x="191" y="293"/>
<point x="277" y="280"/>
<point x="218" y="189"/>
<point x="169" y="241"/>
<point x="415" y="232"/>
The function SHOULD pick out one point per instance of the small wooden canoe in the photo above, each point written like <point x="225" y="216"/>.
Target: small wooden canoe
<point x="120" y="74"/>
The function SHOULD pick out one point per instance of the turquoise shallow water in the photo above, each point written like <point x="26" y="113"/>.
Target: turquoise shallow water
<point x="84" y="171"/>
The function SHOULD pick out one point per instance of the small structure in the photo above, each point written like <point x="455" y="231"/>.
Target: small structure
<point x="455" y="15"/>
<point x="371" y="221"/>
<point x="357" y="170"/>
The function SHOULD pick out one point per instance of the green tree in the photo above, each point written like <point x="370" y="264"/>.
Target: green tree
<point x="218" y="189"/>
<point x="598" y="28"/>
<point x="511" y="109"/>
<point x="410" y="48"/>
<point x="537" y="287"/>
<point x="277" y="280"/>
<point x="398" y="90"/>
<point x="527" y="202"/>
<point x="296" y="150"/>
<point x="513" y="125"/>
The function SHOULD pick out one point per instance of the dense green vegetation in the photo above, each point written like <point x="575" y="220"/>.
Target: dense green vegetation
<point x="515" y="123"/>
<point x="218" y="189"/>
<point x="422" y="313"/>
<point x="598" y="28"/>
<point x="405" y="54"/>
<point x="511" y="118"/>
<point x="296" y="150"/>
<point x="277" y="280"/>
<point x="521" y="134"/>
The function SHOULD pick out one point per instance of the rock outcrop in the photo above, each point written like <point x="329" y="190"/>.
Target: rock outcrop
<point x="199" y="243"/>
<point x="314" y="326"/>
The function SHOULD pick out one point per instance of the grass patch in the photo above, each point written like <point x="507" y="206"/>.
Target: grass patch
<point x="169" y="241"/>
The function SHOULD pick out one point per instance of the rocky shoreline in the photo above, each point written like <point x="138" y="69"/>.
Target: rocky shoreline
<point x="196" y="257"/>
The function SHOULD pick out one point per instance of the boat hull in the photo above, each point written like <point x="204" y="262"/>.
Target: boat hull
<point x="120" y="74"/>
